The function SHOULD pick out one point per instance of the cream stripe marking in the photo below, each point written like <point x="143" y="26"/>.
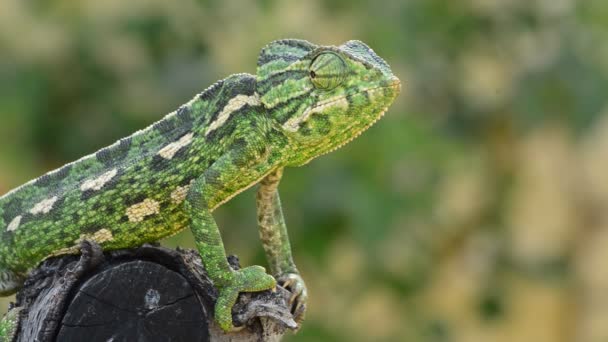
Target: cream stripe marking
<point x="293" y="124"/>
<point x="179" y="194"/>
<point x="170" y="150"/>
<point x="14" y="224"/>
<point x="139" y="211"/>
<point x="100" y="236"/>
<point x="233" y="105"/>
<point x="99" y="182"/>
<point x="44" y="206"/>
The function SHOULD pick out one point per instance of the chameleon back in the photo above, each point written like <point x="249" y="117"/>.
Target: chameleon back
<point x="123" y="195"/>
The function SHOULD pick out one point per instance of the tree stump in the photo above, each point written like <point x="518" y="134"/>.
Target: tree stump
<point x="146" y="294"/>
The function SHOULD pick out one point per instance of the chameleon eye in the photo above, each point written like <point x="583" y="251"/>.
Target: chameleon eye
<point x="327" y="71"/>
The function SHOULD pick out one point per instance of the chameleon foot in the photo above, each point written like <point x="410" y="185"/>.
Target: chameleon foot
<point x="294" y="283"/>
<point x="248" y="279"/>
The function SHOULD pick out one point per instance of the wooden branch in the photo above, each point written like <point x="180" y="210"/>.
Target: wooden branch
<point x="146" y="294"/>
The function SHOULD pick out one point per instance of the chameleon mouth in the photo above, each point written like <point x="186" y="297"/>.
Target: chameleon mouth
<point x="395" y="84"/>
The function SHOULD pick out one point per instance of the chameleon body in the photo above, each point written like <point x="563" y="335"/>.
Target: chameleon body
<point x="305" y="101"/>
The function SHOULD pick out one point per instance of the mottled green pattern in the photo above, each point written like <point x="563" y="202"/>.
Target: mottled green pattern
<point x="141" y="174"/>
<point x="305" y="101"/>
<point x="9" y="324"/>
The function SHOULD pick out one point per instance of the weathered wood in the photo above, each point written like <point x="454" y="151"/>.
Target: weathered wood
<point x="136" y="300"/>
<point x="145" y="294"/>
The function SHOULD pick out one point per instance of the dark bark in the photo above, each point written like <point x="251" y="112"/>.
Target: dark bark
<point x="146" y="294"/>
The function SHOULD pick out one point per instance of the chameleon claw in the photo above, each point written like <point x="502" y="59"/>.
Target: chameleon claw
<point x="294" y="283"/>
<point x="287" y="283"/>
<point x="248" y="279"/>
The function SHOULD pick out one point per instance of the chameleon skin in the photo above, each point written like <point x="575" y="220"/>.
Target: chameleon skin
<point x="304" y="101"/>
<point x="9" y="325"/>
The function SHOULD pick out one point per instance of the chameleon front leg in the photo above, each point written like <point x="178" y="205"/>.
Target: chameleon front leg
<point x="201" y="198"/>
<point x="275" y="240"/>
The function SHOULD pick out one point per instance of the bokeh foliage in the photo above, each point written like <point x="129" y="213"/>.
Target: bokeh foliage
<point x="476" y="210"/>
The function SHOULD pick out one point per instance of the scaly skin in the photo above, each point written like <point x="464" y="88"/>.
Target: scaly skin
<point x="305" y="101"/>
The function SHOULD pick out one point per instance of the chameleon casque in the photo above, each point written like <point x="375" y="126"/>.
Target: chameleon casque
<point x="305" y="101"/>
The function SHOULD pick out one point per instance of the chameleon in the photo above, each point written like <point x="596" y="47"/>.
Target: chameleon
<point x="304" y="101"/>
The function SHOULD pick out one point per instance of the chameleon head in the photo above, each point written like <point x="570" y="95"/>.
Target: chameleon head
<point x="323" y="96"/>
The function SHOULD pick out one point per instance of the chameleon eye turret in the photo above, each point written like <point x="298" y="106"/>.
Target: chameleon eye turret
<point x="304" y="101"/>
<point x="327" y="70"/>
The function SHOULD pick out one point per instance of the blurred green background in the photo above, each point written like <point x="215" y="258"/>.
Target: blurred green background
<point x="476" y="210"/>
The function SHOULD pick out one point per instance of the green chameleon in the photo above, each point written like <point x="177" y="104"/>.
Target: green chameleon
<point x="305" y="101"/>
